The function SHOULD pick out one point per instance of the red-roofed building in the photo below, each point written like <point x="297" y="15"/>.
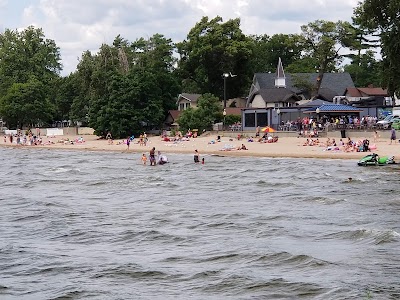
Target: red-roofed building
<point x="357" y="94"/>
<point x="368" y="97"/>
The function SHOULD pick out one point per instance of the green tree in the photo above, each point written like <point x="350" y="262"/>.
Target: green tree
<point x="323" y="41"/>
<point x="66" y="90"/>
<point x="381" y="19"/>
<point x="83" y="90"/>
<point x="29" y="69"/>
<point x="25" y="54"/>
<point x="232" y="119"/>
<point x="126" y="87"/>
<point x="211" y="49"/>
<point x="365" y="70"/>
<point x="155" y="55"/>
<point x="25" y="104"/>
<point x="267" y="51"/>
<point x="208" y="111"/>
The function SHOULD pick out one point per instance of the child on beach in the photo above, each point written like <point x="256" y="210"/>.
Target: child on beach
<point x="376" y="136"/>
<point x="109" y="138"/>
<point x="144" y="159"/>
<point x="393" y="136"/>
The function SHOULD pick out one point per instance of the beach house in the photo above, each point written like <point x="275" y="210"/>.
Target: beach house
<point x="186" y="101"/>
<point x="275" y="97"/>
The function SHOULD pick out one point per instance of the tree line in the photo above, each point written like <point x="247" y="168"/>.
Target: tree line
<point x="129" y="86"/>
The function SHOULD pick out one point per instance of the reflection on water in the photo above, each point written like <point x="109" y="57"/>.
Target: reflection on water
<point x="79" y="225"/>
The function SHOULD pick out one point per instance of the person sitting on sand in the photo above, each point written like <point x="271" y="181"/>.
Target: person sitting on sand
<point x="328" y="142"/>
<point x="242" y="147"/>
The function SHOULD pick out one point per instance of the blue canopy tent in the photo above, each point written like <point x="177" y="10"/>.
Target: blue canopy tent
<point x="333" y="109"/>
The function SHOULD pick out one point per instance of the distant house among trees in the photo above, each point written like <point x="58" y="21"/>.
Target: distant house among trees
<point x="186" y="101"/>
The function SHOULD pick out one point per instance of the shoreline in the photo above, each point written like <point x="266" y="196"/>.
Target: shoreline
<point x="286" y="147"/>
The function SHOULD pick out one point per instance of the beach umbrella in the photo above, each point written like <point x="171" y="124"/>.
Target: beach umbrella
<point x="267" y="129"/>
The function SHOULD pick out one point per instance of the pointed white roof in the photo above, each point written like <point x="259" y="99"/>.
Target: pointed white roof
<point x="280" y="79"/>
<point x="280" y="73"/>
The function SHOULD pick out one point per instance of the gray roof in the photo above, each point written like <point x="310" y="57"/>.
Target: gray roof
<point x="190" y="97"/>
<point x="278" y="94"/>
<point x="336" y="83"/>
<point x="314" y="103"/>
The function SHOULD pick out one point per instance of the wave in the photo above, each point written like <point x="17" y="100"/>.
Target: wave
<point x="324" y="200"/>
<point x="205" y="275"/>
<point x="147" y="236"/>
<point x="28" y="218"/>
<point x="132" y="271"/>
<point x="69" y="294"/>
<point x="230" y="257"/>
<point x="287" y="259"/>
<point x="62" y="170"/>
<point x="276" y="288"/>
<point x="373" y="236"/>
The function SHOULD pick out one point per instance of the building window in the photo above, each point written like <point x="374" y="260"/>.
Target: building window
<point x="250" y="120"/>
<point x="262" y="119"/>
<point x="182" y="106"/>
<point x="187" y="105"/>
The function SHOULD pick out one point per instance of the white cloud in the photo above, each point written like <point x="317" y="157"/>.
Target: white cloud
<point x="79" y="25"/>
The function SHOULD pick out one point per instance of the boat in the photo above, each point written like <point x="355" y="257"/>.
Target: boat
<point x="373" y="159"/>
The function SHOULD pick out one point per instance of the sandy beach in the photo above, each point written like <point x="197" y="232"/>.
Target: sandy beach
<point x="285" y="147"/>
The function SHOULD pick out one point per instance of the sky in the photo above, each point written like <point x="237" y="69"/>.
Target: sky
<point x="80" y="25"/>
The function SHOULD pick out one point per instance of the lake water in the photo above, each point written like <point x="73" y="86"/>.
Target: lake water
<point x="99" y="225"/>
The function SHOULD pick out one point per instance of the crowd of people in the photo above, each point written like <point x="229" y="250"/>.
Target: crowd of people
<point x="28" y="138"/>
<point x="310" y="124"/>
<point x="349" y="145"/>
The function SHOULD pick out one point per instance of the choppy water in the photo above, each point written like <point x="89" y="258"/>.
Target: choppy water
<point x="83" y="225"/>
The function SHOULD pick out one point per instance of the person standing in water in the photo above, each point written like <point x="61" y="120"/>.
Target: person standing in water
<point x="196" y="156"/>
<point x="144" y="159"/>
<point x="153" y="156"/>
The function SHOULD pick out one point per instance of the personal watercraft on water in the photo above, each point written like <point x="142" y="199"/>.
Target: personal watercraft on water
<point x="374" y="160"/>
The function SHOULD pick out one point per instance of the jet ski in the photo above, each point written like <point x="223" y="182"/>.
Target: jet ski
<point x="373" y="159"/>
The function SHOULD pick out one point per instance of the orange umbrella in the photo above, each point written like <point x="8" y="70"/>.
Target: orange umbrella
<point x="267" y="129"/>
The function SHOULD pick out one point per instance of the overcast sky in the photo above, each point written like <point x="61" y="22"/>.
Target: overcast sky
<point x="79" y="25"/>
